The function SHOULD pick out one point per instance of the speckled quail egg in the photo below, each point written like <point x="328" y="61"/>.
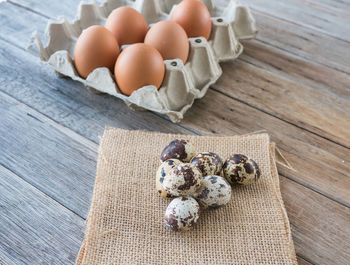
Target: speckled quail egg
<point x="209" y="163"/>
<point x="178" y="149"/>
<point x="164" y="169"/>
<point x="184" y="179"/>
<point x="181" y="214"/>
<point x="214" y="193"/>
<point x="239" y="169"/>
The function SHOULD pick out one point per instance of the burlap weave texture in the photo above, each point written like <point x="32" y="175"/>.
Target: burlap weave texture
<point x="125" y="224"/>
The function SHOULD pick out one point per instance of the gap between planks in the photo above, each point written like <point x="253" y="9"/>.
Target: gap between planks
<point x="42" y="191"/>
<point x="300" y="56"/>
<point x="277" y="117"/>
<point x="28" y="9"/>
<point x="32" y="234"/>
<point x="303" y="42"/>
<point x="321" y="32"/>
<point x="302" y="261"/>
<point x="310" y="188"/>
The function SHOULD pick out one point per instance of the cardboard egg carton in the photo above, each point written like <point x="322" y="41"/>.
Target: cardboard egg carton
<point x="182" y="84"/>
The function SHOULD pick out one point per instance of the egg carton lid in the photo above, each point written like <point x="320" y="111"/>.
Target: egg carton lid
<point x="182" y="84"/>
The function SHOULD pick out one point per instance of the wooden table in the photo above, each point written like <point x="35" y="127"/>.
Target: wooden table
<point x="292" y="81"/>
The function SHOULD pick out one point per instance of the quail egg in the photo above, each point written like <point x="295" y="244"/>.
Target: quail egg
<point x="181" y="214"/>
<point x="184" y="179"/>
<point x="214" y="193"/>
<point x="164" y="169"/>
<point x="239" y="169"/>
<point x="178" y="149"/>
<point x="209" y="163"/>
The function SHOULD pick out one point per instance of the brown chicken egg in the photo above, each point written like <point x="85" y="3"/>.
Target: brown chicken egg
<point x="194" y="17"/>
<point x="137" y="66"/>
<point x="95" y="47"/>
<point x="170" y="39"/>
<point x="127" y="25"/>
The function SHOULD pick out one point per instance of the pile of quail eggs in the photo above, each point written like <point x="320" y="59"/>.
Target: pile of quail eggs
<point x="197" y="181"/>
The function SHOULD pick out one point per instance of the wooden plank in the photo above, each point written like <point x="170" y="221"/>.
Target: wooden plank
<point x="320" y="228"/>
<point x="322" y="111"/>
<point x="303" y="42"/>
<point x="310" y="15"/>
<point x="35" y="229"/>
<point x="333" y="4"/>
<point x="319" y="164"/>
<point x="338" y="7"/>
<point x="18" y="31"/>
<point x="53" y="10"/>
<point x="33" y="147"/>
<point x="299" y="70"/>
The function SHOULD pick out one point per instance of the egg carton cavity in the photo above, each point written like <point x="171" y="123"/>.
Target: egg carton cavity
<point x="182" y="84"/>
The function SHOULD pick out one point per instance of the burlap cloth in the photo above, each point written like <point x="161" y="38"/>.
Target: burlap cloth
<point x="125" y="224"/>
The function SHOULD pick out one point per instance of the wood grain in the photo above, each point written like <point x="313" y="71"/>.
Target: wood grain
<point x="34" y="229"/>
<point x="297" y="69"/>
<point x="333" y="4"/>
<point x="33" y="147"/>
<point x="18" y="31"/>
<point x="330" y="21"/>
<point x="53" y="10"/>
<point x="303" y="42"/>
<point x="329" y="243"/>
<point x="321" y="111"/>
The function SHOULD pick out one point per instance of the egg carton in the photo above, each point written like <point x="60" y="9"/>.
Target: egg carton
<point x="182" y="84"/>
